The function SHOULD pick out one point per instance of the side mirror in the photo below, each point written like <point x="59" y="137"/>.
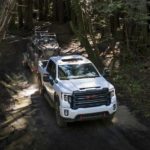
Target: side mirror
<point x="106" y="73"/>
<point x="51" y="80"/>
<point x="46" y="78"/>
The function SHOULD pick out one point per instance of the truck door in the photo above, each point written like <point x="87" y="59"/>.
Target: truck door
<point x="51" y="69"/>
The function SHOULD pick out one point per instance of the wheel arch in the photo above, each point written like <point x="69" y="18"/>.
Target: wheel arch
<point x="56" y="98"/>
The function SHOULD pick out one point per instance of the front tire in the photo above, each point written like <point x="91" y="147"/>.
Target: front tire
<point x="110" y="118"/>
<point x="59" y="120"/>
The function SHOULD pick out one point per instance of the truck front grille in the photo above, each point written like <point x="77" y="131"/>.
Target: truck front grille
<point x="90" y="98"/>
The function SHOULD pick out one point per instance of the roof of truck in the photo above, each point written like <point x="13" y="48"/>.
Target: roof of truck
<point x="71" y="59"/>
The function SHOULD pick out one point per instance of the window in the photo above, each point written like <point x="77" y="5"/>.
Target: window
<point x="51" y="69"/>
<point x="77" y="71"/>
<point x="49" y="66"/>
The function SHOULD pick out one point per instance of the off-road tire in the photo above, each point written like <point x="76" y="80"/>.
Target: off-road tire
<point x="59" y="120"/>
<point x="109" y="118"/>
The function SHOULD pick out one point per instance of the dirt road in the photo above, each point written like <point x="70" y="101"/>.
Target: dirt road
<point x="31" y="124"/>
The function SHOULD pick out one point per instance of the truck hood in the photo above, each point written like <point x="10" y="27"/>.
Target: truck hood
<point x="68" y="86"/>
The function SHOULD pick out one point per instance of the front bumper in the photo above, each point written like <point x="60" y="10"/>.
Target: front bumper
<point x="88" y="113"/>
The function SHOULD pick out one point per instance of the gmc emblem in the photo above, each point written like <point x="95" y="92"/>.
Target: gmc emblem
<point x="91" y="97"/>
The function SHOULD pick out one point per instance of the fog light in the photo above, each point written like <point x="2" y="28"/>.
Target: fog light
<point x="66" y="112"/>
<point x="114" y="107"/>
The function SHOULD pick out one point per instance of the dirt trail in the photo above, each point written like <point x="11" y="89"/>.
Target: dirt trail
<point x="31" y="124"/>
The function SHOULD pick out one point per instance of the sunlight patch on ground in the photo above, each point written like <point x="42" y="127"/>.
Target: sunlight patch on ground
<point x="20" y="123"/>
<point x="126" y="119"/>
<point x="22" y="108"/>
<point x="28" y="92"/>
<point x="73" y="48"/>
<point x="23" y="97"/>
<point x="21" y="103"/>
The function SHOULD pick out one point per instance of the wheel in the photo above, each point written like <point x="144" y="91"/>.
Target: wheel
<point x="109" y="118"/>
<point x="59" y="120"/>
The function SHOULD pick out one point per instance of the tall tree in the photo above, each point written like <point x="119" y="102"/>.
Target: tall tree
<point x="46" y="9"/>
<point x="60" y="11"/>
<point x="82" y="30"/>
<point x="20" y="13"/>
<point x="29" y="14"/>
<point x="6" y="16"/>
<point x="41" y="9"/>
<point x="54" y="10"/>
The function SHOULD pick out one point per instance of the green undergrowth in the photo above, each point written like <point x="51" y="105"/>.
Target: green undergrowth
<point x="9" y="75"/>
<point x="133" y="86"/>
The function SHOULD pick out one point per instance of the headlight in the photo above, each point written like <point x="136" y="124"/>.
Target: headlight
<point x="67" y="98"/>
<point x="112" y="92"/>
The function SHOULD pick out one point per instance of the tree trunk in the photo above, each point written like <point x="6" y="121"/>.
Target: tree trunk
<point x="41" y="10"/>
<point x="81" y="31"/>
<point x="20" y="14"/>
<point x="54" y="10"/>
<point x="60" y="11"/>
<point x="29" y="15"/>
<point x="67" y="11"/>
<point x="46" y="9"/>
<point x="113" y="24"/>
<point x="6" y="16"/>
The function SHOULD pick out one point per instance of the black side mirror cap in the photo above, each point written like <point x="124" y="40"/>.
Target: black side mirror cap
<point x="106" y="73"/>
<point x="46" y="78"/>
<point x="51" y="81"/>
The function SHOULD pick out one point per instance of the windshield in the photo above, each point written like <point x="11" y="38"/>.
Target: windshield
<point x="77" y="71"/>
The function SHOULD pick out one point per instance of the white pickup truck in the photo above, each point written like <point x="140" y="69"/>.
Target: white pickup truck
<point x="76" y="89"/>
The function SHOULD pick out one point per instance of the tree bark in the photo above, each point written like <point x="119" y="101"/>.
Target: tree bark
<point x="29" y="15"/>
<point x="41" y="10"/>
<point x="46" y="9"/>
<point x="54" y="10"/>
<point x="60" y="11"/>
<point x="81" y="31"/>
<point x="20" y="14"/>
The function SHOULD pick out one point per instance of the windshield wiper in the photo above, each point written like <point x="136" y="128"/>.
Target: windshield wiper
<point x="91" y="76"/>
<point x="84" y="77"/>
<point x="64" y="78"/>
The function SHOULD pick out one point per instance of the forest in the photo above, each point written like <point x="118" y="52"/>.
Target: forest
<point x="99" y="25"/>
<point x="114" y="35"/>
